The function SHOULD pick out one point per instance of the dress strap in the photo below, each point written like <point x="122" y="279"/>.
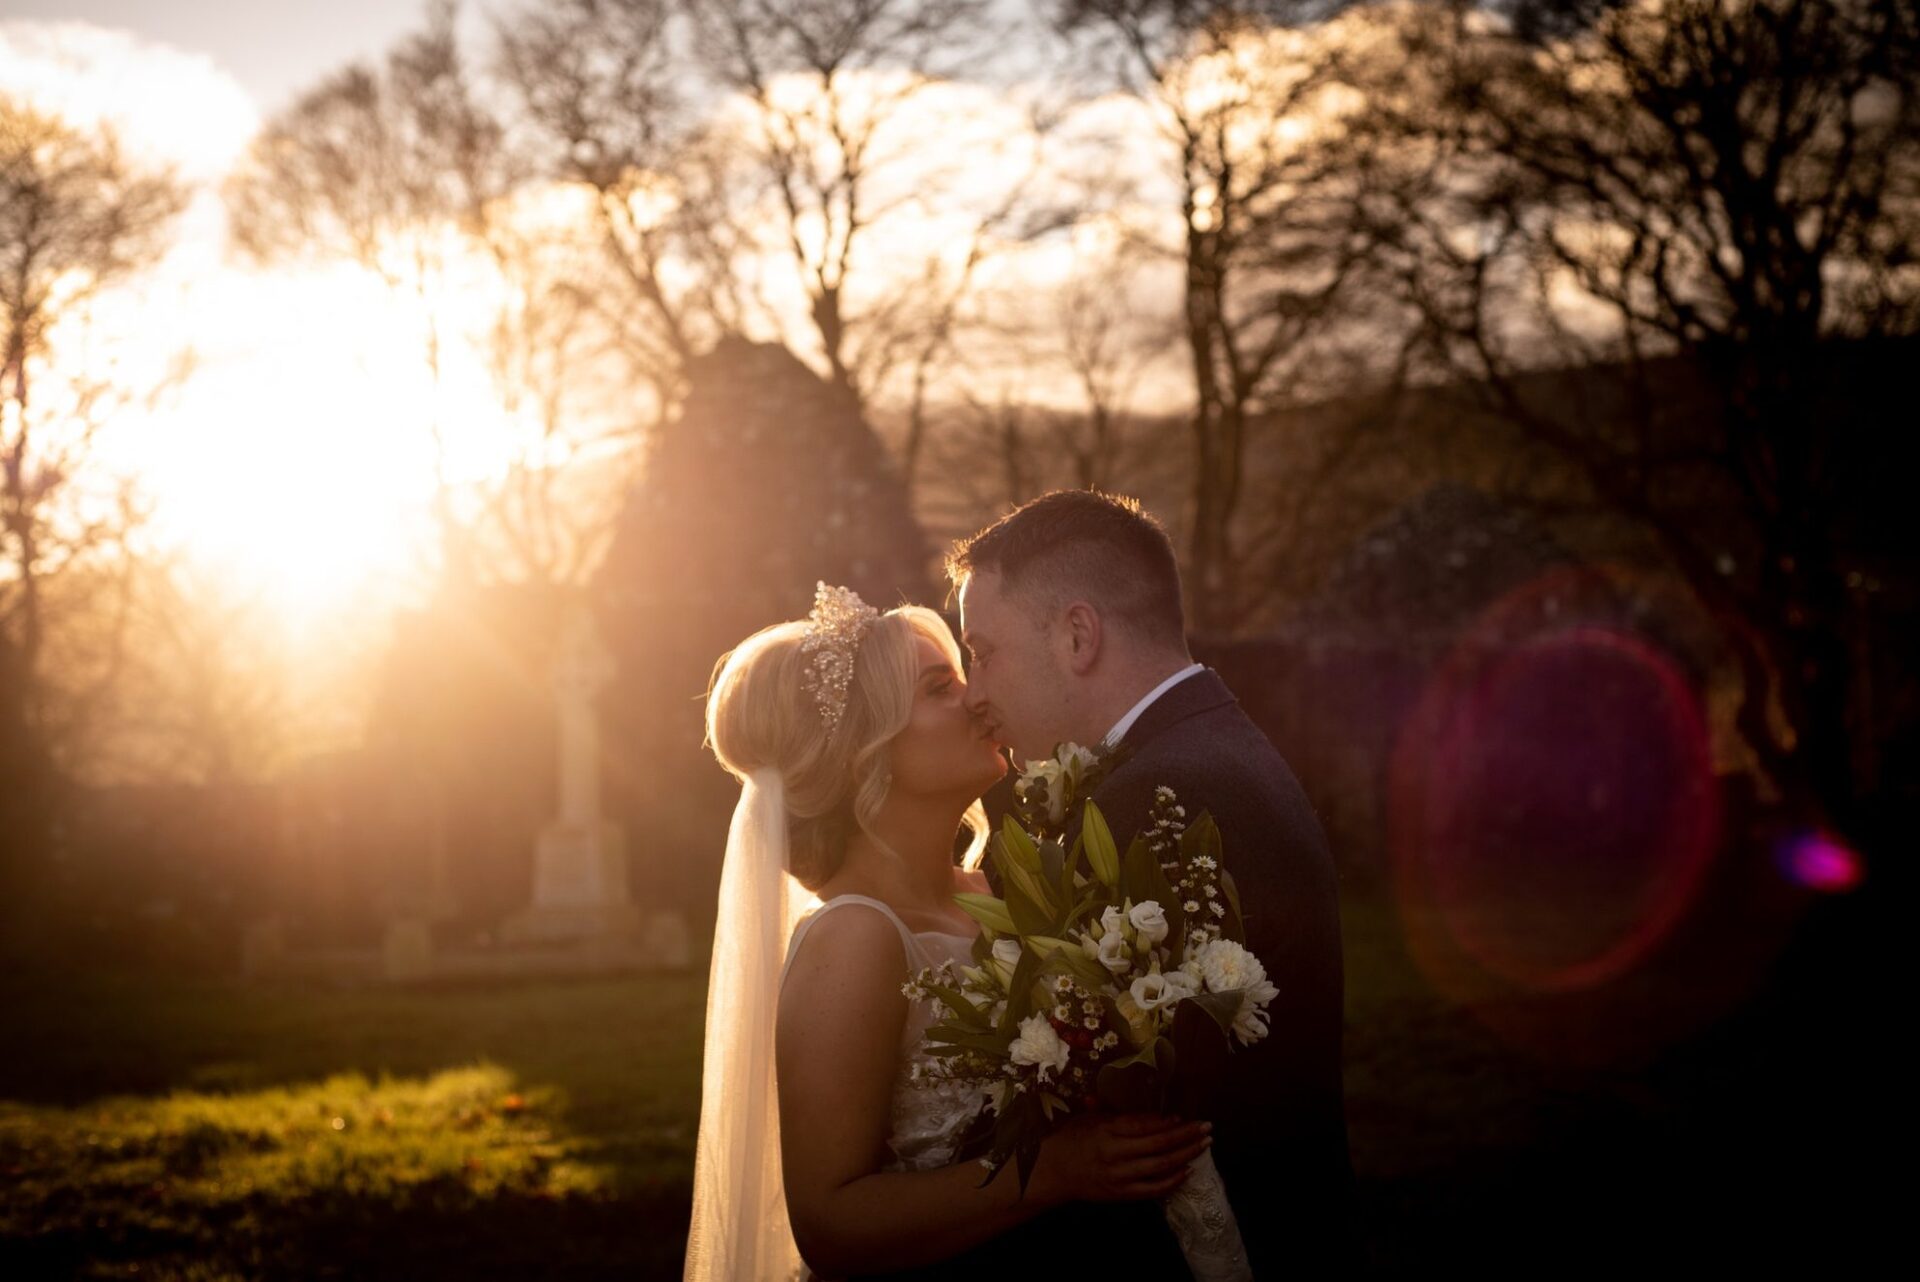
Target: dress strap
<point x="908" y="942"/>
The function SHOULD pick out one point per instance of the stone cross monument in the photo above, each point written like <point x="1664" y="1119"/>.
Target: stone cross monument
<point x="579" y="867"/>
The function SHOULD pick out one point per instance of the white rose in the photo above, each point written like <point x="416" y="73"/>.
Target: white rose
<point x="1072" y="756"/>
<point x="1181" y="984"/>
<point x="1112" y="922"/>
<point x="1149" y="920"/>
<point x="1250" y="1021"/>
<point x="1151" y="992"/>
<point x="1007" y="951"/>
<point x="1226" y="966"/>
<point x="1114" y="953"/>
<point x="1038" y="1045"/>
<point x="1051" y="773"/>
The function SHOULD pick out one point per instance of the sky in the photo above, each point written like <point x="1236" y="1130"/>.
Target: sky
<point x="272" y="48"/>
<point x="252" y="477"/>
<point x="246" y="478"/>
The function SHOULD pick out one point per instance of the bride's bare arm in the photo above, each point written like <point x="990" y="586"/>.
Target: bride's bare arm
<point x="837" y="1054"/>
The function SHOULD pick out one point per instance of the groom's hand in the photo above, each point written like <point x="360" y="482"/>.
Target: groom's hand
<point x="1118" y="1157"/>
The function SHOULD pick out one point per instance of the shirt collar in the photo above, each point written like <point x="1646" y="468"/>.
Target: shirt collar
<point x="1125" y="723"/>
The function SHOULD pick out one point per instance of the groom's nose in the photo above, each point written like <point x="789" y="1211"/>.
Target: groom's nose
<point x="975" y="699"/>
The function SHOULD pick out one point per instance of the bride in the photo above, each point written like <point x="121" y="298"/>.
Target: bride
<point x="818" y="1153"/>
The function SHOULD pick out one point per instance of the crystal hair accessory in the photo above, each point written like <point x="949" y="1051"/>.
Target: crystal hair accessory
<point x="834" y="629"/>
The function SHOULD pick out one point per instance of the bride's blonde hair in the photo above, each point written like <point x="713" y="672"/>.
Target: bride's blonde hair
<point x="760" y="714"/>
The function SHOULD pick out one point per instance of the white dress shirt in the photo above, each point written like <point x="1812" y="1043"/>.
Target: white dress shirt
<point x="1125" y="723"/>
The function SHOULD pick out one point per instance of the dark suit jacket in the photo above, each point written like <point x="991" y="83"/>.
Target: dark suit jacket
<point x="1280" y="1137"/>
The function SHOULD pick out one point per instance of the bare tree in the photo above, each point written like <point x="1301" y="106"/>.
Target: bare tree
<point x="76" y="218"/>
<point x="395" y="169"/>
<point x="1711" y="190"/>
<point x="1244" y="98"/>
<point x="608" y="102"/>
<point x="1106" y="349"/>
<point x="205" y="697"/>
<point x="567" y="385"/>
<point x="825" y="85"/>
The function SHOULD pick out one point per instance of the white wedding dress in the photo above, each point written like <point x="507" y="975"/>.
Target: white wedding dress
<point x="738" y="1230"/>
<point x="927" y="1121"/>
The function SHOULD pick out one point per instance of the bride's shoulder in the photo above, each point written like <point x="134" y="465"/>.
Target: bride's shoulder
<point x="849" y="937"/>
<point x="973" y="882"/>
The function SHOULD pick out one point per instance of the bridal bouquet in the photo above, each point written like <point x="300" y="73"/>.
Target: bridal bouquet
<point x="1101" y="979"/>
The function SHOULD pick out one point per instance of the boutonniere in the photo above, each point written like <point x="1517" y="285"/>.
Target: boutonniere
<point x="1049" y="789"/>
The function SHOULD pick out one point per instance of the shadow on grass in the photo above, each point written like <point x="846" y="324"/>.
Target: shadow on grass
<point x="435" y="1229"/>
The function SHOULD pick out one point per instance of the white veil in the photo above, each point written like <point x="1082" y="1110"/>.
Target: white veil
<point x="739" y="1228"/>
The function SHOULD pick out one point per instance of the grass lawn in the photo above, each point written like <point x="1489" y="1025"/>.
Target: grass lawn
<point x="159" y="1128"/>
<point x="166" y="1129"/>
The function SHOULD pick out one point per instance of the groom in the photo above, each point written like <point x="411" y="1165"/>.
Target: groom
<point x="1070" y="610"/>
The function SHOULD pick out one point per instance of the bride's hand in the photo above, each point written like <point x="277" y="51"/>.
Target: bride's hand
<point x="1117" y="1157"/>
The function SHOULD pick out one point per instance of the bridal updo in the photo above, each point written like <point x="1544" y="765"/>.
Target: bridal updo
<point x="760" y="713"/>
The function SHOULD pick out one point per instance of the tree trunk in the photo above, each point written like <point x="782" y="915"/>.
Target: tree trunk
<point x="1211" y="571"/>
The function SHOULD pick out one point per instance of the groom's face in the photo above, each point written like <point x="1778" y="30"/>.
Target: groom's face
<point x="1015" y="684"/>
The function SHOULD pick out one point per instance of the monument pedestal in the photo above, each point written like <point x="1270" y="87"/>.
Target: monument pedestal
<point x="579" y="889"/>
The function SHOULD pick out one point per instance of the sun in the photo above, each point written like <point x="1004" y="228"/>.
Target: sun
<point x="301" y="456"/>
<point x="304" y="455"/>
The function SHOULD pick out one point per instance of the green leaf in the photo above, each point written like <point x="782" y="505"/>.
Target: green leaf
<point x="1202" y="837"/>
<point x="1127" y="1086"/>
<point x="1141" y="878"/>
<point x="1026" y="1155"/>
<point x="1233" y="925"/>
<point x="1019" y="864"/>
<point x="1053" y="863"/>
<point x="1020" y="989"/>
<point x="958" y="1004"/>
<point x="1083" y="908"/>
<point x="1076" y="857"/>
<point x="1102" y="854"/>
<point x="1030" y="917"/>
<point x="1070" y="960"/>
<point x="966" y="1040"/>
<point x="1222" y="1007"/>
<point x="1203" y="1047"/>
<point x="988" y="911"/>
<point x="1022" y="871"/>
<point x="1018" y="845"/>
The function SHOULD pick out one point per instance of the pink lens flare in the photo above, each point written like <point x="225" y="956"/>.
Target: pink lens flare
<point x="1553" y="810"/>
<point x="1818" y="861"/>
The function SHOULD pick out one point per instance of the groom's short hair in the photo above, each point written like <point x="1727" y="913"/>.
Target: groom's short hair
<point x="1102" y="548"/>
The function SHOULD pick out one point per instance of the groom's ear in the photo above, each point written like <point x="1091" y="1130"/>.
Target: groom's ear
<point x="1082" y="636"/>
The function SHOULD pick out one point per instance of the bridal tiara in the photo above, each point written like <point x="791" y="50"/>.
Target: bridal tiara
<point x="839" y="621"/>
